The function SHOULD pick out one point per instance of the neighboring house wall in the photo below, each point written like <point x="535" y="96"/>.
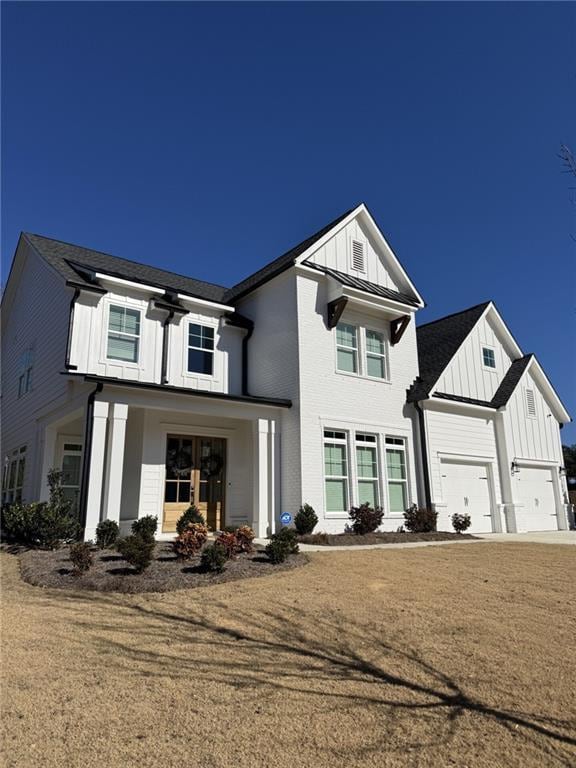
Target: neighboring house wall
<point x="466" y="375"/>
<point x="35" y="318"/>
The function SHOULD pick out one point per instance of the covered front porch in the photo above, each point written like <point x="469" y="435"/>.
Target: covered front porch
<point x="151" y="450"/>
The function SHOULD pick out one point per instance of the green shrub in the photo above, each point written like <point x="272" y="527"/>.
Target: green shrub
<point x="213" y="558"/>
<point x="306" y="520"/>
<point x="17" y="523"/>
<point x="245" y="537"/>
<point x="289" y="537"/>
<point x="145" y="527"/>
<point x="420" y="519"/>
<point x="107" y="533"/>
<point x="81" y="556"/>
<point x="277" y="550"/>
<point x="192" y="515"/>
<point x="137" y="551"/>
<point x="365" y="519"/>
<point x="460" y="523"/>
<point x="190" y="541"/>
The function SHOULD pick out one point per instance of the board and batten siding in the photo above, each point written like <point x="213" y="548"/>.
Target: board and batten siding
<point x="529" y="437"/>
<point x="336" y="253"/>
<point x="466" y="375"/>
<point x="459" y="435"/>
<point x="35" y="316"/>
<point x="338" y="400"/>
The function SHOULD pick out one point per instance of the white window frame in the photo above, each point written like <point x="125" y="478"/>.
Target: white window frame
<point x="385" y="355"/>
<point x="203" y="324"/>
<point x="402" y="446"/>
<point x="357" y="349"/>
<point x="351" y="259"/>
<point x="526" y="406"/>
<point x="125" y="307"/>
<point x="348" y="478"/>
<point x="490" y="368"/>
<point x="372" y="442"/>
<point x="12" y="492"/>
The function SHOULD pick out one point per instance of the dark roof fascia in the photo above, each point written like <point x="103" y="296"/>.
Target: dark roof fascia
<point x="86" y="287"/>
<point x="222" y="396"/>
<point x="462" y="399"/>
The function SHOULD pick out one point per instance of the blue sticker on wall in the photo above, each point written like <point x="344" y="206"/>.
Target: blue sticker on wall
<point x="285" y="518"/>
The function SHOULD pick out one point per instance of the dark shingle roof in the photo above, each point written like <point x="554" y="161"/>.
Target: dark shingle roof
<point x="281" y="263"/>
<point x="63" y="256"/>
<point x="364" y="285"/>
<point x="438" y="342"/>
<point x="510" y="381"/>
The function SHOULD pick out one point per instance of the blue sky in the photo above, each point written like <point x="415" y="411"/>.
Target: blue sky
<point x="209" y="138"/>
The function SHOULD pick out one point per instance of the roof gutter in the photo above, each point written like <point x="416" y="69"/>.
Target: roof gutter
<point x="424" y="453"/>
<point x="87" y="455"/>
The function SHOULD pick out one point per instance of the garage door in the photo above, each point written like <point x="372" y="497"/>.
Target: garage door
<point x="466" y="490"/>
<point x="535" y="490"/>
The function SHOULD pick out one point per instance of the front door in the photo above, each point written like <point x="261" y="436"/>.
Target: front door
<point x="194" y="475"/>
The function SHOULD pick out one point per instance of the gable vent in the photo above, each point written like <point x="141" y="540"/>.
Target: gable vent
<point x="358" y="256"/>
<point x="530" y="403"/>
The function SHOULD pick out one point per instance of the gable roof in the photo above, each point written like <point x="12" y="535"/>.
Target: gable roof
<point x="74" y="261"/>
<point x="282" y="263"/>
<point x="438" y="342"/>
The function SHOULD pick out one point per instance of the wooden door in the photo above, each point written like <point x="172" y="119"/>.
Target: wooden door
<point x="194" y="475"/>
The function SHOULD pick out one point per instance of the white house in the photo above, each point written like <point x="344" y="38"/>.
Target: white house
<point x="307" y="381"/>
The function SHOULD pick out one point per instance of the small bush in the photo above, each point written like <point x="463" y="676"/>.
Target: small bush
<point x="245" y="537"/>
<point x="228" y="543"/>
<point x="145" y="527"/>
<point x="460" y="523"/>
<point x="289" y="537"/>
<point x="306" y="520"/>
<point x="190" y="541"/>
<point x="277" y="550"/>
<point x="17" y="523"/>
<point x="107" y="533"/>
<point x="192" y="515"/>
<point x="365" y="519"/>
<point x="420" y="519"/>
<point x="137" y="551"/>
<point x="213" y="558"/>
<point x="81" y="556"/>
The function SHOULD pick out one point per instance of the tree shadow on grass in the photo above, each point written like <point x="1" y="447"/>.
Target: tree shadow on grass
<point x="328" y="657"/>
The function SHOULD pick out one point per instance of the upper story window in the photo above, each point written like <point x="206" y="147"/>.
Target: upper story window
<point x="530" y="403"/>
<point x="201" y="349"/>
<point x="347" y="348"/>
<point x="25" y="372"/>
<point x="13" y="476"/>
<point x="123" y="334"/>
<point x="362" y="351"/>
<point x="357" y="256"/>
<point x="488" y="357"/>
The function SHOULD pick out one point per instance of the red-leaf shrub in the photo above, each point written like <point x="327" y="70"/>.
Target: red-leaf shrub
<point x="228" y="542"/>
<point x="190" y="541"/>
<point x="365" y="519"/>
<point x="244" y="537"/>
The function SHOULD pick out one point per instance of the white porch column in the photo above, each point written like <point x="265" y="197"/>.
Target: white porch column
<point x="48" y="460"/>
<point x="97" y="454"/>
<point x="505" y="473"/>
<point x="260" y="480"/>
<point x="115" y="461"/>
<point x="274" y="476"/>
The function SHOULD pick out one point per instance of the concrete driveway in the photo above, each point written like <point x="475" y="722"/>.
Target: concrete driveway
<point x="535" y="537"/>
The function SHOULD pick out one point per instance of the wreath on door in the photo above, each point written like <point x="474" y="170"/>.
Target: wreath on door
<point x="212" y="465"/>
<point x="180" y="461"/>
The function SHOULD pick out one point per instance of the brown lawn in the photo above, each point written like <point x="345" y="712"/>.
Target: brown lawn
<point x="441" y="656"/>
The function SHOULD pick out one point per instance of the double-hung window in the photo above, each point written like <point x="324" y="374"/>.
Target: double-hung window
<point x="123" y="334"/>
<point x="396" y="474"/>
<point x="376" y="364"/>
<point x="347" y="347"/>
<point x="201" y="349"/>
<point x="13" y="476"/>
<point x="336" y="470"/>
<point x="367" y="469"/>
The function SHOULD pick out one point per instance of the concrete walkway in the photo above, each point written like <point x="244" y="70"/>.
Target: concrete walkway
<point x="542" y="537"/>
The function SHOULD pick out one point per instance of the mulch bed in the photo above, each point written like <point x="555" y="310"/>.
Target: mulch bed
<point x="393" y="537"/>
<point x="111" y="573"/>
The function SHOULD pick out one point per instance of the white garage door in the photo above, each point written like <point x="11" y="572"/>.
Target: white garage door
<point x="535" y="490"/>
<point x="466" y="490"/>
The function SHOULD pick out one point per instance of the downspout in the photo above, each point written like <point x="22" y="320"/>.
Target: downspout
<point x="424" y="452"/>
<point x="87" y="455"/>
<point x="165" y="326"/>
<point x="73" y="300"/>
<point x="245" y="340"/>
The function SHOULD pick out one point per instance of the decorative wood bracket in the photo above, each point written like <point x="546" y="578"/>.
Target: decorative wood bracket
<point x="397" y="328"/>
<point x="335" y="309"/>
